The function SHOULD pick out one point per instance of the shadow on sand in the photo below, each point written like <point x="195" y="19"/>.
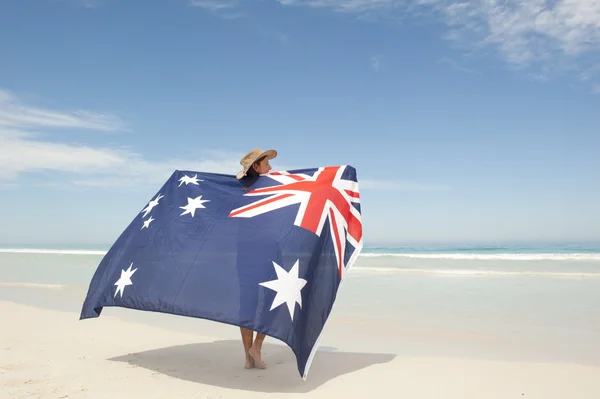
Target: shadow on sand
<point x="221" y="363"/>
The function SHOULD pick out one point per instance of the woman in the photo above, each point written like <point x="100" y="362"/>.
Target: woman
<point x="254" y="163"/>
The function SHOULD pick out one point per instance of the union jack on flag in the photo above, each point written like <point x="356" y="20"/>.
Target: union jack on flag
<point x="270" y="258"/>
<point x="324" y="197"/>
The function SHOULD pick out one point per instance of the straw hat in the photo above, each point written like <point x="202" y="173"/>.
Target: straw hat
<point x="251" y="157"/>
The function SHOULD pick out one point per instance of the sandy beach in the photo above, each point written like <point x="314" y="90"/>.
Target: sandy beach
<point x="51" y="354"/>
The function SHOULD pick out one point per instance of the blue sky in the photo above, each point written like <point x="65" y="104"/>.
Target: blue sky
<point x="467" y="121"/>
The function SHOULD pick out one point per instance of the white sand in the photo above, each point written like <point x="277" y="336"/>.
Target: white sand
<point x="51" y="354"/>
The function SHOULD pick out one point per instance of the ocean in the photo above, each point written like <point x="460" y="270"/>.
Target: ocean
<point x="499" y="301"/>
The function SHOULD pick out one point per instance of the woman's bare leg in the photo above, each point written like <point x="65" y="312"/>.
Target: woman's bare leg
<point x="255" y="350"/>
<point x="247" y="336"/>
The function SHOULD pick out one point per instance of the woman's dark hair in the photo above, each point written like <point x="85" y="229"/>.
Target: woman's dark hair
<point x="251" y="174"/>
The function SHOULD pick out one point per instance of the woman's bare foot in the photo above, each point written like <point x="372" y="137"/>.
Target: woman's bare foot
<point x="249" y="363"/>
<point x="254" y="353"/>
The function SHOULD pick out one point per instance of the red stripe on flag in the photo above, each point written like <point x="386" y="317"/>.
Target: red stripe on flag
<point x="259" y="204"/>
<point x="296" y="177"/>
<point x="337" y="242"/>
<point x="353" y="194"/>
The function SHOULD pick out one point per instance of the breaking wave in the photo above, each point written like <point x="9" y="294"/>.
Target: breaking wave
<point x="472" y="272"/>
<point x="51" y="251"/>
<point x="594" y="257"/>
<point x="35" y="285"/>
<point x="497" y="256"/>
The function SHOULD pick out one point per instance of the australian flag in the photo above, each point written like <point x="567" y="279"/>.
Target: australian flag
<point x="269" y="257"/>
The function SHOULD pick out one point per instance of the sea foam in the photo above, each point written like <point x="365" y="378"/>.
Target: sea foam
<point x="593" y="257"/>
<point x="35" y="285"/>
<point x="472" y="272"/>
<point x="498" y="256"/>
<point x="51" y="251"/>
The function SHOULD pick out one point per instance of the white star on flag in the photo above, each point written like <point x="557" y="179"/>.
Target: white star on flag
<point x="287" y="286"/>
<point x="187" y="180"/>
<point x="193" y="204"/>
<point x="124" y="280"/>
<point x="147" y="223"/>
<point x="151" y="205"/>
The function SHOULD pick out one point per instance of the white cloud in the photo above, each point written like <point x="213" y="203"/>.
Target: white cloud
<point x="14" y="114"/>
<point x="92" y="166"/>
<point x="213" y="4"/>
<point x="375" y="63"/>
<point x="227" y="9"/>
<point x="235" y="10"/>
<point x="348" y="6"/>
<point x="23" y="150"/>
<point x="135" y="171"/>
<point x="18" y="155"/>
<point x="552" y="36"/>
<point x="526" y="32"/>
